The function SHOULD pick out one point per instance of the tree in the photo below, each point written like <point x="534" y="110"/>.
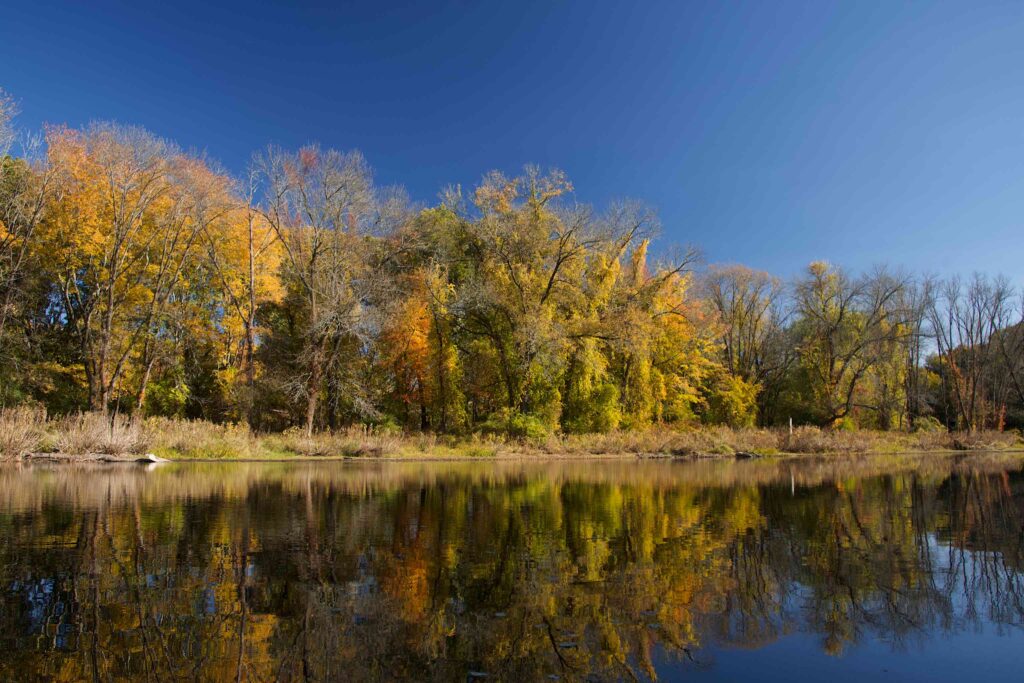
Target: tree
<point x="318" y="203"/>
<point x="99" y="236"/>
<point x="750" y="308"/>
<point x="26" y="186"/>
<point x="405" y="348"/>
<point x="245" y="254"/>
<point x="845" y="325"/>
<point x="524" y="256"/>
<point x="967" y="322"/>
<point x="8" y="109"/>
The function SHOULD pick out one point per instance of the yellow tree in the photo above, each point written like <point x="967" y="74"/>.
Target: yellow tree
<point x="844" y="325"/>
<point x="244" y="254"/>
<point x="659" y="353"/>
<point x="117" y="239"/>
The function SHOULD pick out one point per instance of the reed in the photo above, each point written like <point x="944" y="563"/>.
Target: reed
<point x="28" y="430"/>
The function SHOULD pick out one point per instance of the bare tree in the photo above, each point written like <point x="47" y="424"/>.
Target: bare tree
<point x="1010" y="342"/>
<point x="8" y="109"/>
<point x="915" y="301"/>
<point x="965" y="320"/>
<point x="318" y="202"/>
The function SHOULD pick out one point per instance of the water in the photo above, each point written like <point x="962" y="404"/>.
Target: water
<point x="829" y="569"/>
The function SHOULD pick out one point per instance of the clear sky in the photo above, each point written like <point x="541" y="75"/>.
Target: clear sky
<point x="767" y="133"/>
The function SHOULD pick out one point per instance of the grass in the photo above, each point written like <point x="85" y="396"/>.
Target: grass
<point x="21" y="431"/>
<point x="803" y="440"/>
<point x="86" y="433"/>
<point x="24" y="431"/>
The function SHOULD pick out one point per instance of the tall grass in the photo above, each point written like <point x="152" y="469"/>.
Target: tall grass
<point x="810" y="440"/>
<point x="87" y="433"/>
<point x="22" y="431"/>
<point x="200" y="439"/>
<point x="352" y="441"/>
<point x="27" y="430"/>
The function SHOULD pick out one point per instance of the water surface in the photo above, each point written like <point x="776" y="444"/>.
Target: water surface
<point x="832" y="569"/>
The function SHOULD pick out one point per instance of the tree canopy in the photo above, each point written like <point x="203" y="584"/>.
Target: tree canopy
<point x="139" y="278"/>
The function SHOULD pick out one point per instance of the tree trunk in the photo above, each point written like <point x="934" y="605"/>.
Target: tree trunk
<point x="316" y="372"/>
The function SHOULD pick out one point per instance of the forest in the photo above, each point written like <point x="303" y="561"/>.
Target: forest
<point x="139" y="279"/>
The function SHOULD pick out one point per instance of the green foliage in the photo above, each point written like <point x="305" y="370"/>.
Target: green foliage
<point x="515" y="424"/>
<point x="928" y="424"/>
<point x="167" y="397"/>
<point x="845" y="424"/>
<point x="600" y="411"/>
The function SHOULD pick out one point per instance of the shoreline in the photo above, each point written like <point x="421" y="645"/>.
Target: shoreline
<point x="27" y="436"/>
<point x="151" y="459"/>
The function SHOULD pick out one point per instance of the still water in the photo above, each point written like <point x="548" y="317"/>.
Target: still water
<point x="761" y="570"/>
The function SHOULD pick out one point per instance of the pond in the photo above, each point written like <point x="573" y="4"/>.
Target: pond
<point x="840" y="569"/>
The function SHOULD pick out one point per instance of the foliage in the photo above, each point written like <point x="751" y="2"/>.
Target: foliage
<point x="141" y="280"/>
<point x="515" y="424"/>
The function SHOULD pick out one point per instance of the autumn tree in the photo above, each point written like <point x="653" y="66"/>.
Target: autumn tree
<point x="244" y="254"/>
<point x="101" y="237"/>
<point x="319" y="204"/>
<point x="845" y="326"/>
<point x="27" y="184"/>
<point x="968" y="321"/>
<point x="752" y="311"/>
<point x="405" y="349"/>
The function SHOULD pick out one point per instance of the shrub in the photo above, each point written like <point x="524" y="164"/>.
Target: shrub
<point x="732" y="401"/>
<point x="928" y="424"/>
<point x="845" y="424"/>
<point x="358" y="440"/>
<point x="515" y="424"/>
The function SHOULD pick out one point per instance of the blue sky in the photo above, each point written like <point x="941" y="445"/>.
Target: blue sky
<point x="767" y="133"/>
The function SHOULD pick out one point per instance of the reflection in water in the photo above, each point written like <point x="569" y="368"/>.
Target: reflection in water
<point x="570" y="571"/>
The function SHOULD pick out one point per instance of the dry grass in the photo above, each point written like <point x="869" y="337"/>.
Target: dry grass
<point x="812" y="440"/>
<point x="199" y="439"/>
<point x="22" y="431"/>
<point x="353" y="442"/>
<point x="26" y="430"/>
<point x="664" y="441"/>
<point x="87" y="433"/>
<point x="726" y="441"/>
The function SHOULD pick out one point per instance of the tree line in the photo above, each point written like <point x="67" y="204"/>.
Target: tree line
<point x="141" y="279"/>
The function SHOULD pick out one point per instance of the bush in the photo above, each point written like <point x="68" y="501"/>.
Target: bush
<point x="515" y="424"/>
<point x="732" y="401"/>
<point x="845" y="424"/>
<point x="928" y="424"/>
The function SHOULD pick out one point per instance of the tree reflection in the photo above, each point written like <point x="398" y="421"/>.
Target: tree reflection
<point x="316" y="574"/>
